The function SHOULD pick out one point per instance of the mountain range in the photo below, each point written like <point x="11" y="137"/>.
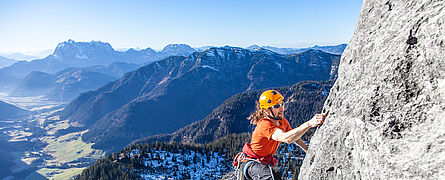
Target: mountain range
<point x="28" y="56"/>
<point x="83" y="54"/>
<point x="67" y="84"/>
<point x="337" y="49"/>
<point x="171" y="93"/>
<point x="6" y="61"/>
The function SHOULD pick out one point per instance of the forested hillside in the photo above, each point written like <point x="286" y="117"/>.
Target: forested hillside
<point x="203" y="143"/>
<point x="184" y="161"/>
<point x="302" y="101"/>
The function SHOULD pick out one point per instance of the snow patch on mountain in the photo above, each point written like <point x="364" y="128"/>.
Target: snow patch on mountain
<point x="183" y="164"/>
<point x="83" y="56"/>
<point x="210" y="67"/>
<point x="221" y="53"/>
<point x="280" y="66"/>
<point x="163" y="80"/>
<point x="210" y="54"/>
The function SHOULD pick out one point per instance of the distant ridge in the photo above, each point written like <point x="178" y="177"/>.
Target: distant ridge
<point x="337" y="49"/>
<point x="6" y="61"/>
<point x="67" y="84"/>
<point x="161" y="97"/>
<point x="70" y="53"/>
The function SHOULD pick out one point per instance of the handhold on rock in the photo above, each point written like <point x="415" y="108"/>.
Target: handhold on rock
<point x="338" y="172"/>
<point x="411" y="39"/>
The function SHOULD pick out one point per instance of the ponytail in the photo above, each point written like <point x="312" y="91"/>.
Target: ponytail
<point x="257" y="115"/>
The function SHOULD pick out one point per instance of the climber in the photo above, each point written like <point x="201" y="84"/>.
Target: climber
<point x="256" y="160"/>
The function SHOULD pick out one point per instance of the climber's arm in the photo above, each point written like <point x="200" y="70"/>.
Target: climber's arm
<point x="292" y="135"/>
<point x="295" y="134"/>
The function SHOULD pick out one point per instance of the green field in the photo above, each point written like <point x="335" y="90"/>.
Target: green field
<point x="58" y="173"/>
<point x="71" y="147"/>
<point x="62" y="158"/>
<point x="64" y="150"/>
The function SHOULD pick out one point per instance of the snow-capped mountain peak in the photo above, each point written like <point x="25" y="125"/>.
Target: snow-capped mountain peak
<point x="83" y="50"/>
<point x="178" y="49"/>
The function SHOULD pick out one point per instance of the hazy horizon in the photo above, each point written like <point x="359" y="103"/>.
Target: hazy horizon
<point x="46" y="52"/>
<point x="41" y="25"/>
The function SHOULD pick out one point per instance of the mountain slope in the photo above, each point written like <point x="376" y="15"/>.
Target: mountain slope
<point x="8" y="111"/>
<point x="169" y="94"/>
<point x="6" y="62"/>
<point x="71" y="82"/>
<point x="302" y="100"/>
<point x="159" y="161"/>
<point x="67" y="84"/>
<point x="338" y="49"/>
<point x="34" y="84"/>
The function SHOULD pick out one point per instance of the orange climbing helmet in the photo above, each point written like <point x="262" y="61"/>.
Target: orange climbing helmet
<point x="269" y="98"/>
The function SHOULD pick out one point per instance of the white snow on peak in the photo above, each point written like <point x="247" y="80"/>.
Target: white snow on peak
<point x="81" y="57"/>
<point x="213" y="52"/>
<point x="221" y="53"/>
<point x="210" y="54"/>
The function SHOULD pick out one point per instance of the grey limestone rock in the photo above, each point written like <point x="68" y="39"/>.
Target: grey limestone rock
<point x="386" y="110"/>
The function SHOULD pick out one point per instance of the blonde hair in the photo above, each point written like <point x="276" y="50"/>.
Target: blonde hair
<point x="257" y="115"/>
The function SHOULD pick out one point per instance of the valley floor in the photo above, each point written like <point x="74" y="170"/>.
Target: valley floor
<point x="33" y="150"/>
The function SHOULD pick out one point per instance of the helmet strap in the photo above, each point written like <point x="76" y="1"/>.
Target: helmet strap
<point x="273" y="115"/>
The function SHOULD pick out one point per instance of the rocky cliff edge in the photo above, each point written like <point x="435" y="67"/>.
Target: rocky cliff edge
<point x="386" y="110"/>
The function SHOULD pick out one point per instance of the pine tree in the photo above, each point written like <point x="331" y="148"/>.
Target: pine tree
<point x="208" y="158"/>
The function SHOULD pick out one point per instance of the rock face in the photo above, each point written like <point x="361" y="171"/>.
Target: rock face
<point x="386" y="109"/>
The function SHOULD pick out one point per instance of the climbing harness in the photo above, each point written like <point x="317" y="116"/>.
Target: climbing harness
<point x="242" y="164"/>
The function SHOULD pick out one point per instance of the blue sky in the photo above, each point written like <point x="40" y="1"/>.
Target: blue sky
<point x="32" y="25"/>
